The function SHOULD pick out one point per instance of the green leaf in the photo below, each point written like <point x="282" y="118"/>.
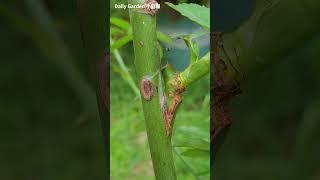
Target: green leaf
<point x="195" y="71"/>
<point x="195" y="143"/>
<point x="120" y="23"/>
<point x="195" y="131"/>
<point x="198" y="34"/>
<point x="164" y="38"/>
<point x="194" y="48"/>
<point x="117" y="69"/>
<point x="203" y="173"/>
<point x="195" y="12"/>
<point x="196" y="153"/>
<point x="121" y="42"/>
<point x="115" y="31"/>
<point x="263" y="51"/>
<point x="160" y="51"/>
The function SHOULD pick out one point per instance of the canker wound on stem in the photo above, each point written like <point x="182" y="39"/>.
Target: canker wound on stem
<point x="176" y="99"/>
<point x="146" y="88"/>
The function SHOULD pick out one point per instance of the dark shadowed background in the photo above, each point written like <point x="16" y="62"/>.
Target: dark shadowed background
<point x="276" y="120"/>
<point x="50" y="127"/>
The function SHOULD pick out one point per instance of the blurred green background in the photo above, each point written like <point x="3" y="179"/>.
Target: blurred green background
<point x="276" y="129"/>
<point x="129" y="151"/>
<point x="50" y="127"/>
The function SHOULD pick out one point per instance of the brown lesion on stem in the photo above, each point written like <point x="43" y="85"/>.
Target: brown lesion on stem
<point x="222" y="89"/>
<point x="146" y="88"/>
<point x="176" y="98"/>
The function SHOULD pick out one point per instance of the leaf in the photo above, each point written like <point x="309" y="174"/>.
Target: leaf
<point x="115" y="31"/>
<point x="195" y="131"/>
<point x="194" y="48"/>
<point x="264" y="51"/>
<point x="121" y="42"/>
<point x="164" y="38"/>
<point x="198" y="34"/>
<point x="124" y="74"/>
<point x="160" y="51"/>
<point x="120" y="23"/>
<point x="195" y="12"/>
<point x="196" y="143"/>
<point x="203" y="173"/>
<point x="196" y="153"/>
<point x="195" y="71"/>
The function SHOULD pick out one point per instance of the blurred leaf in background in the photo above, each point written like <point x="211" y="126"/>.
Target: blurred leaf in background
<point x="50" y="125"/>
<point x="275" y="132"/>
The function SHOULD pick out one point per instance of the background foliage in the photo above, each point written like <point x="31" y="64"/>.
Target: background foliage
<point x="49" y="121"/>
<point x="275" y="133"/>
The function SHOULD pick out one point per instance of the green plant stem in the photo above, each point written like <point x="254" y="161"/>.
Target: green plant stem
<point x="125" y="70"/>
<point x="191" y="74"/>
<point x="196" y="70"/>
<point x="147" y="64"/>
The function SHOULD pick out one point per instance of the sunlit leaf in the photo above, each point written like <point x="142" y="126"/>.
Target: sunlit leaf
<point x="195" y="12"/>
